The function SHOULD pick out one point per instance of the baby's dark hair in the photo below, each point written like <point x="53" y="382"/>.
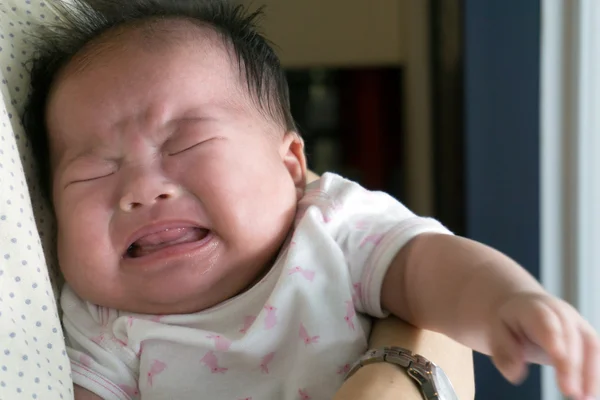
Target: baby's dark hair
<point x="83" y="21"/>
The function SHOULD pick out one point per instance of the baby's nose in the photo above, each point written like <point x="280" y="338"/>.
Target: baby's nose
<point x="147" y="195"/>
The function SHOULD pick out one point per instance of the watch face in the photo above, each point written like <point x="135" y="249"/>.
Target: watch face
<point x="443" y="385"/>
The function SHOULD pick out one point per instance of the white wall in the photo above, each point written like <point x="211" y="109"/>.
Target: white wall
<point x="570" y="158"/>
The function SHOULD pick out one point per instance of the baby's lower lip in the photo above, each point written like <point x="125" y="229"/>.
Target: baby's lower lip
<point x="147" y="247"/>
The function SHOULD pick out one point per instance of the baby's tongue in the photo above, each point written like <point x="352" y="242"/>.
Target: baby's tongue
<point x="168" y="237"/>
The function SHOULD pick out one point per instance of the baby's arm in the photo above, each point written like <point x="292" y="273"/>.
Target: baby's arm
<point x="84" y="394"/>
<point x="450" y="284"/>
<point x="483" y="299"/>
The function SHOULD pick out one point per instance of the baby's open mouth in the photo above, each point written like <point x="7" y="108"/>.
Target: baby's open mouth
<point x="169" y="237"/>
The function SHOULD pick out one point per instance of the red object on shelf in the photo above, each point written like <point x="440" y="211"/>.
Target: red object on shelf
<point x="370" y="111"/>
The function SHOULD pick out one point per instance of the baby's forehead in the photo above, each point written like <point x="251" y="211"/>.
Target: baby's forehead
<point x="156" y="36"/>
<point x="158" y="40"/>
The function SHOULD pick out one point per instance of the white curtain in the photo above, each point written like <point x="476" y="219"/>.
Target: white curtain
<point x="570" y="158"/>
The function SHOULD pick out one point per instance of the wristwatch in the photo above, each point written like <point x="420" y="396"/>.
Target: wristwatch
<point x="432" y="381"/>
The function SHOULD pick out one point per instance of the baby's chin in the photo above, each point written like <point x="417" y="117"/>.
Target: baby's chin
<point x="183" y="299"/>
<point x="179" y="300"/>
<point x="186" y="290"/>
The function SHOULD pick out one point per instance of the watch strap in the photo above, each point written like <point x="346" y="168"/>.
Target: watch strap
<point x="416" y="366"/>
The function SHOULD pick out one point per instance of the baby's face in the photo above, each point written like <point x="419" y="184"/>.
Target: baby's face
<point x="172" y="191"/>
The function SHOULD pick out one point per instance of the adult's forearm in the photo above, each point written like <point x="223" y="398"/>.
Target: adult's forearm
<point x="387" y="382"/>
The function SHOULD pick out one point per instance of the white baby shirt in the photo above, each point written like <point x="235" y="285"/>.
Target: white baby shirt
<point x="292" y="336"/>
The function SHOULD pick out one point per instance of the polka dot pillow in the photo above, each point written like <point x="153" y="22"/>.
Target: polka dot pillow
<point x="33" y="363"/>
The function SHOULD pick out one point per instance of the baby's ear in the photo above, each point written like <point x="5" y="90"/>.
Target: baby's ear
<point x="292" y="154"/>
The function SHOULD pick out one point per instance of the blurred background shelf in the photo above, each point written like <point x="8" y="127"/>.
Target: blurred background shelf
<point x="336" y="33"/>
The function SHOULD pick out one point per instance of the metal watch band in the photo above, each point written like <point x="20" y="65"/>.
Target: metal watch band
<point x="417" y="367"/>
<point x="391" y="354"/>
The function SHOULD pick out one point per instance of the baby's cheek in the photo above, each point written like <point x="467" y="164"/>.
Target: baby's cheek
<point x="83" y="243"/>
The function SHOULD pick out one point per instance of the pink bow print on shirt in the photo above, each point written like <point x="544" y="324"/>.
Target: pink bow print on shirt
<point x="264" y="363"/>
<point x="307" y="274"/>
<point x="99" y="339"/>
<point x="343" y="370"/>
<point x="306" y="338"/>
<point x="210" y="360"/>
<point x="156" y="368"/>
<point x="248" y="321"/>
<point x="357" y="292"/>
<point x="350" y="313"/>
<point x="271" y="318"/>
<point x="303" y="395"/>
<point x="221" y="343"/>
<point x="130" y="390"/>
<point x="157" y="318"/>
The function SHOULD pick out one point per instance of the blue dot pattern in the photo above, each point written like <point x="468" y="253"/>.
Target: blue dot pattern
<point x="33" y="363"/>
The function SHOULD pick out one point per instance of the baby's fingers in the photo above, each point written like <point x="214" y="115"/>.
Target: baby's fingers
<point x="544" y="327"/>
<point x="591" y="364"/>
<point x="557" y="336"/>
<point x="568" y="369"/>
<point x="507" y="354"/>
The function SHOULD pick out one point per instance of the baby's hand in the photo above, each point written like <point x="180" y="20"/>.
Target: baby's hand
<point x="542" y="329"/>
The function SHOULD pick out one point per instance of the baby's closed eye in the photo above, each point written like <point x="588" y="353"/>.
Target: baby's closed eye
<point x="89" y="172"/>
<point x="182" y="145"/>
